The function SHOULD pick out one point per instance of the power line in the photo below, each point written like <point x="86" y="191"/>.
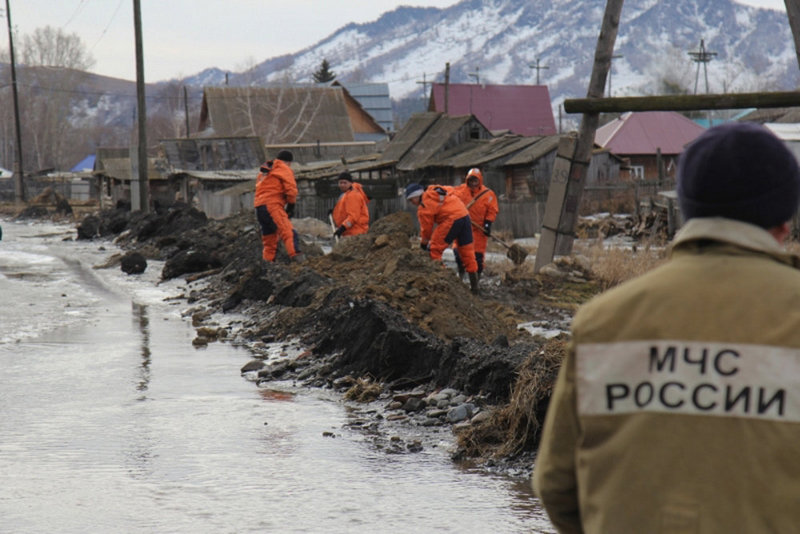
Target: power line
<point x="75" y="14"/>
<point x="103" y="33"/>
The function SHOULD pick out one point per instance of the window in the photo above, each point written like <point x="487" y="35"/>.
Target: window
<point x="637" y="172"/>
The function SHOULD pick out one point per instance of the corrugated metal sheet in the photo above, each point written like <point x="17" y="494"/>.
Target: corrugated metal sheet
<point x="644" y="133"/>
<point x="201" y="154"/>
<point x="277" y="114"/>
<point x="521" y="109"/>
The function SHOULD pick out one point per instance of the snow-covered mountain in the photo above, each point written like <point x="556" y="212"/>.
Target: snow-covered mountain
<point x="497" y="41"/>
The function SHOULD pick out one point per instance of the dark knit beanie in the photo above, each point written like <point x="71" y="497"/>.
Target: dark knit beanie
<point x="739" y="171"/>
<point x="285" y="155"/>
<point x="345" y="176"/>
<point x="414" y="190"/>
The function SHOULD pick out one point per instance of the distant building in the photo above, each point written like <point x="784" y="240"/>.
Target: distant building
<point x="645" y="138"/>
<point x="286" y="114"/>
<point x="520" y="109"/>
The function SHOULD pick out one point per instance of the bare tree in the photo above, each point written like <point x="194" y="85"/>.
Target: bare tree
<point x="50" y="72"/>
<point x="51" y="47"/>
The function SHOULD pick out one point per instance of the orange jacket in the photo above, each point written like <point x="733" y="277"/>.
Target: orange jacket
<point x="438" y="205"/>
<point x="278" y="186"/>
<point x="482" y="204"/>
<point x="351" y="211"/>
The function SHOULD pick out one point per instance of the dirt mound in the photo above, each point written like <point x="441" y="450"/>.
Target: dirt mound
<point x="382" y="308"/>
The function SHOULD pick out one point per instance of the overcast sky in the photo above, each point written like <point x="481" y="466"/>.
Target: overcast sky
<point x="183" y="37"/>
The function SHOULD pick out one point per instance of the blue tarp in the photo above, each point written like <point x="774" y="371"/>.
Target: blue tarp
<point x="86" y="164"/>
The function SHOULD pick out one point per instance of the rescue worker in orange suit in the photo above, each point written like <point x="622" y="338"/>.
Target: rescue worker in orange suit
<point x="438" y="205"/>
<point x="351" y="214"/>
<point x="276" y="194"/>
<point x="481" y="202"/>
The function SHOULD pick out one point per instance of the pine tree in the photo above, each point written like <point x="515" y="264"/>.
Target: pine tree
<point x="324" y="74"/>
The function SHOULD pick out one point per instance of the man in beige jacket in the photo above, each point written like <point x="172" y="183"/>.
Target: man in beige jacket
<point x="677" y="408"/>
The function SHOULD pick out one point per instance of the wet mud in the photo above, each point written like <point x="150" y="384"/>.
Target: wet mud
<point x="375" y="311"/>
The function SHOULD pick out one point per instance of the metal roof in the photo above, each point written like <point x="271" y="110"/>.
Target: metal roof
<point x="644" y="133"/>
<point x="521" y="109"/>
<point x="375" y="99"/>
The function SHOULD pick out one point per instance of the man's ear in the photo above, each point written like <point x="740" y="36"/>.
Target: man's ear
<point x="780" y="232"/>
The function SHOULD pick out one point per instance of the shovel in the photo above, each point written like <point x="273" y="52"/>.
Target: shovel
<point x="335" y="237"/>
<point x="516" y="253"/>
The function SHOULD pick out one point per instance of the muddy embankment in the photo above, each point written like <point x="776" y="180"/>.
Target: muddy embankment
<point x="381" y="321"/>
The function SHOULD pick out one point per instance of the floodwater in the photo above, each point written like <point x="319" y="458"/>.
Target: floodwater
<point x="111" y="421"/>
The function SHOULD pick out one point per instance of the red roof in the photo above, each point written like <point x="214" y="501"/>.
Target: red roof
<point x="647" y="131"/>
<point x="522" y="109"/>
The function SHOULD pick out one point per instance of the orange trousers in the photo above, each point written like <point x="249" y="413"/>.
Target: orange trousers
<point x="275" y="223"/>
<point x="460" y="231"/>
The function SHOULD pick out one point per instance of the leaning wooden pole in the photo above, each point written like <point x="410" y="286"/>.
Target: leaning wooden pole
<point x="561" y="215"/>
<point x="793" y="11"/>
<point x="683" y="102"/>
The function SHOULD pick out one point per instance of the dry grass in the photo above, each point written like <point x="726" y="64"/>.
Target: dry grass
<point x="612" y="266"/>
<point x="363" y="390"/>
<point x="515" y="427"/>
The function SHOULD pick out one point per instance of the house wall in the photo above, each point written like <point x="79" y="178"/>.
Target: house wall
<point x="650" y="166"/>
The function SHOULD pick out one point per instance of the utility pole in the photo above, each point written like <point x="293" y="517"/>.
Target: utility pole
<point x="446" y="87"/>
<point x="140" y="197"/>
<point x="702" y="56"/>
<point x="424" y="83"/>
<point x="19" y="182"/>
<point x="610" y="70"/>
<point x="476" y="75"/>
<point x="538" y="68"/>
<point x="574" y="154"/>
<point x="186" y="109"/>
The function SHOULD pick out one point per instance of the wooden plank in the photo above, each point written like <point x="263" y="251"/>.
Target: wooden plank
<point x="784" y="99"/>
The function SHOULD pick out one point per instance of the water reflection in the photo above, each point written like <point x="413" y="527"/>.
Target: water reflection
<point x="142" y="322"/>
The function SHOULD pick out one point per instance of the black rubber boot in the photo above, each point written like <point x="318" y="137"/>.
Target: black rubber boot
<point x="473" y="283"/>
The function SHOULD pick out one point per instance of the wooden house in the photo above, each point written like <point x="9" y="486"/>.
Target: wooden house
<point x="200" y="168"/>
<point x="286" y="114"/>
<point x="650" y="142"/>
<point x="425" y="137"/>
<point x="112" y="170"/>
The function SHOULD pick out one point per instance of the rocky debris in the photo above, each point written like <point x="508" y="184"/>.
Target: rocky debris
<point x="133" y="263"/>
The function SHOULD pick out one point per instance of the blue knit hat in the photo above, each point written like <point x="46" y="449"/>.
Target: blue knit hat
<point x="739" y="171"/>
<point x="414" y="190"/>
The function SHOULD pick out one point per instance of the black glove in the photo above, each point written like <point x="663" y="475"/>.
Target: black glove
<point x="424" y="246"/>
<point x="330" y="213"/>
<point x="487" y="227"/>
<point x="339" y="231"/>
<point x="290" y="210"/>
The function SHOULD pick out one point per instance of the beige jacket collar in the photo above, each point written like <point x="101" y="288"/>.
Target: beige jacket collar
<point x="737" y="233"/>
